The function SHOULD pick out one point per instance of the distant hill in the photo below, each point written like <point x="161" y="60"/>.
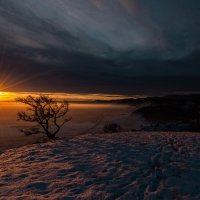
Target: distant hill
<point x="173" y="108"/>
<point x="182" y="98"/>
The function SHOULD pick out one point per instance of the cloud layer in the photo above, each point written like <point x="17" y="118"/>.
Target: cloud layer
<point x="100" y="45"/>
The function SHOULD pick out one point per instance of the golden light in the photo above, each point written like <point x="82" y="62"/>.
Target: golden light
<point x="7" y="96"/>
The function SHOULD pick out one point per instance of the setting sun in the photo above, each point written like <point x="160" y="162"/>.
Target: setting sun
<point x="7" y="96"/>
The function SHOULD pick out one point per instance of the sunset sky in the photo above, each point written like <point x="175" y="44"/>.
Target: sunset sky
<point x="100" y="46"/>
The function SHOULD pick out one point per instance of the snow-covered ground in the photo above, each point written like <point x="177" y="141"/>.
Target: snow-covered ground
<point x="137" y="165"/>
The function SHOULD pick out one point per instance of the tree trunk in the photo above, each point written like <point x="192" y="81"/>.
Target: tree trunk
<point x="51" y="136"/>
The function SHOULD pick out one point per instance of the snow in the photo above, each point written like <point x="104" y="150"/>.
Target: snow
<point x="132" y="165"/>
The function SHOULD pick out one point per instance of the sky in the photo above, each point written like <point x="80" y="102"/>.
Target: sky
<point x="100" y="46"/>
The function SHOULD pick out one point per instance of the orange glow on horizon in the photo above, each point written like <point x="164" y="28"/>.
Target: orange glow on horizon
<point x="11" y="96"/>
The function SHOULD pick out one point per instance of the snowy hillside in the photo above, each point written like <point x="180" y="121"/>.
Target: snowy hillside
<point x="121" y="166"/>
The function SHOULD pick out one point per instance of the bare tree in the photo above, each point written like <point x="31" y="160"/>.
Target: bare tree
<point x="49" y="114"/>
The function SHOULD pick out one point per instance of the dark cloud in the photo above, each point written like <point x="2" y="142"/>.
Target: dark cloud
<point x="121" y="46"/>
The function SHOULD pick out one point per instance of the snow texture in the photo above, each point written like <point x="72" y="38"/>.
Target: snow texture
<point x="122" y="166"/>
